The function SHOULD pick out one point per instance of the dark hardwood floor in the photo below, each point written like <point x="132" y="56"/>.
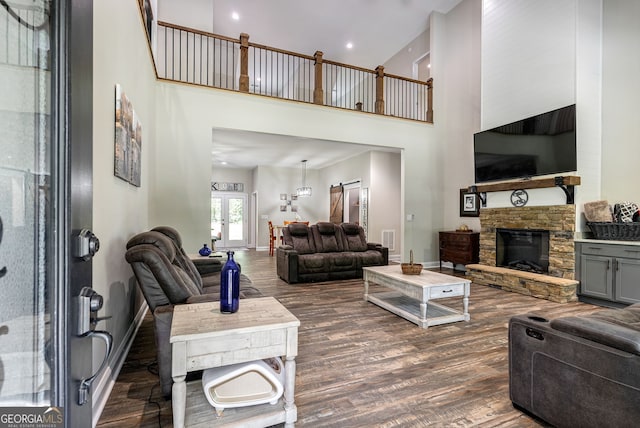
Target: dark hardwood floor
<point x="361" y="366"/>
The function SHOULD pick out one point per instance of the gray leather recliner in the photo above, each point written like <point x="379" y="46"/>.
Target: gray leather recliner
<point x="577" y="371"/>
<point x="164" y="283"/>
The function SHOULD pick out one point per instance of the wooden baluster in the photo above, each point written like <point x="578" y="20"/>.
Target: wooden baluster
<point x="244" y="62"/>
<point x="379" y="89"/>
<point x="318" y="93"/>
<point x="430" y="100"/>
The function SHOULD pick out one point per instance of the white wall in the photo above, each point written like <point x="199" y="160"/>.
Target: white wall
<point x="401" y="64"/>
<point x="120" y="210"/>
<point x="620" y="89"/>
<point x="186" y="115"/>
<point x="385" y="201"/>
<point x="174" y="12"/>
<point x="456" y="67"/>
<point x="528" y="58"/>
<point x="270" y="182"/>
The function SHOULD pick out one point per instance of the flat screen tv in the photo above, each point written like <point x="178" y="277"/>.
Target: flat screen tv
<point x="539" y="145"/>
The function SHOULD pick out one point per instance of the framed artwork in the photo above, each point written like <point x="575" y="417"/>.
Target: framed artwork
<point x="283" y="208"/>
<point x="283" y="196"/>
<point x="469" y="204"/>
<point x="128" y="140"/>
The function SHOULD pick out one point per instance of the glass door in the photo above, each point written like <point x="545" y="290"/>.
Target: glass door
<point x="228" y="220"/>
<point x="27" y="370"/>
<point x="45" y="183"/>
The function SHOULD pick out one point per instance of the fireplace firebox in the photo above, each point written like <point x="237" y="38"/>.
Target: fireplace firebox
<point x="523" y="249"/>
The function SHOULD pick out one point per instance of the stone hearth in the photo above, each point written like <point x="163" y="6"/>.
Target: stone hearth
<point x="559" y="220"/>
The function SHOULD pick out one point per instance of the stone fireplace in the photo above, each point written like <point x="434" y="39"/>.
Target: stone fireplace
<point x="542" y="269"/>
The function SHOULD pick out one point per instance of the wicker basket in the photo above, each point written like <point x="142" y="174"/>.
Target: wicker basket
<point x="411" y="268"/>
<point x="615" y="231"/>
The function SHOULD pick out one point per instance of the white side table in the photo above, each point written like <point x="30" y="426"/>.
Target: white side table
<point x="202" y="337"/>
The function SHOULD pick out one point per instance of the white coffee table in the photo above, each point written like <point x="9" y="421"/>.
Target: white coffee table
<point x="411" y="296"/>
<point x="202" y="337"/>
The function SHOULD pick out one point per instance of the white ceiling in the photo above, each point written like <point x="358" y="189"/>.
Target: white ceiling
<point x="378" y="29"/>
<point x="245" y="149"/>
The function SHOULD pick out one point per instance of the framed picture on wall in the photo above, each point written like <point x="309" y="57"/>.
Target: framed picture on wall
<point x="469" y="204"/>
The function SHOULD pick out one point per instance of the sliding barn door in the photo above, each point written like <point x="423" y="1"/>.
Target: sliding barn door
<point x="336" y="206"/>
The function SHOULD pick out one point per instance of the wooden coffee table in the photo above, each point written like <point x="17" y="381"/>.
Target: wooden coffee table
<point x="411" y="296"/>
<point x="202" y="337"/>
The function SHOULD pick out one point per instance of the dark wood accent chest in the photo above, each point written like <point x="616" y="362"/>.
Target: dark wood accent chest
<point x="459" y="247"/>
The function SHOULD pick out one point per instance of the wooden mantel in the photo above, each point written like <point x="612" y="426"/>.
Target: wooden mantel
<point x="565" y="183"/>
<point x="535" y="183"/>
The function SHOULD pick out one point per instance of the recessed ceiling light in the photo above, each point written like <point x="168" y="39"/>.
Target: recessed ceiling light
<point x="349" y="45"/>
<point x="428" y="65"/>
<point x="235" y="16"/>
<point x="223" y="163"/>
<point x="258" y="79"/>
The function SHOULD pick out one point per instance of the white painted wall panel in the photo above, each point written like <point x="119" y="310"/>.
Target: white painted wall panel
<point x="621" y="86"/>
<point x="528" y="58"/>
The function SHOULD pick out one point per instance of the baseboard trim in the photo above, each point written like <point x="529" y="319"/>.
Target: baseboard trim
<point x="106" y="381"/>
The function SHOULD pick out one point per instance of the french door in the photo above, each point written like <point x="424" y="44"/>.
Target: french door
<point x="229" y="225"/>
<point x="46" y="188"/>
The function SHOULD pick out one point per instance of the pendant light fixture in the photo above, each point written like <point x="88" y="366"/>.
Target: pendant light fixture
<point x="304" y="190"/>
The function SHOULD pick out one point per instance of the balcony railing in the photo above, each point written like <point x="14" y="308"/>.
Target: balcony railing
<point x="24" y="30"/>
<point x="201" y="58"/>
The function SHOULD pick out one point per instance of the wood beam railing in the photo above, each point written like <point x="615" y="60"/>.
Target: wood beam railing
<point x="318" y="93"/>
<point x="208" y="59"/>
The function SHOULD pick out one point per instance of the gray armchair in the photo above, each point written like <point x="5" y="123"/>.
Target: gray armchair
<point x="205" y="272"/>
<point x="578" y="371"/>
<point x="165" y="283"/>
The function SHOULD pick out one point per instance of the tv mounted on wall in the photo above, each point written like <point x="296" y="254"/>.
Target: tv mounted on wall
<point x="538" y="145"/>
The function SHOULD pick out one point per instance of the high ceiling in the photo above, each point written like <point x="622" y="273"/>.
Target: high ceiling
<point x="245" y="149"/>
<point x="377" y="29"/>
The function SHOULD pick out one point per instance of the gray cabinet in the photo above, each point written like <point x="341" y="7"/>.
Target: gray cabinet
<point x="608" y="272"/>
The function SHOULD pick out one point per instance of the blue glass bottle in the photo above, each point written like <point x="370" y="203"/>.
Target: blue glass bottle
<point x="205" y="251"/>
<point x="230" y="286"/>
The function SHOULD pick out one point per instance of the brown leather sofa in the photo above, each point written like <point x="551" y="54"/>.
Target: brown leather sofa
<point x="578" y="371"/>
<point x="167" y="277"/>
<point x="326" y="251"/>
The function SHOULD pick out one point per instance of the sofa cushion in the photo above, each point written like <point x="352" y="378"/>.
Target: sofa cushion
<point x="342" y="261"/>
<point x="312" y="263"/>
<point x="369" y="258"/>
<point x="354" y="237"/>
<point x="327" y="237"/>
<point x="618" y="328"/>
<point x="299" y="237"/>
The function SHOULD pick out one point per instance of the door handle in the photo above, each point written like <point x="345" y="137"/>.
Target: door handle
<point x="85" y="384"/>
<point x="85" y="245"/>
<point x="87" y="305"/>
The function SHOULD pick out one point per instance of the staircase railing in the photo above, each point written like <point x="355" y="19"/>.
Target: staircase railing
<point x="207" y="59"/>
